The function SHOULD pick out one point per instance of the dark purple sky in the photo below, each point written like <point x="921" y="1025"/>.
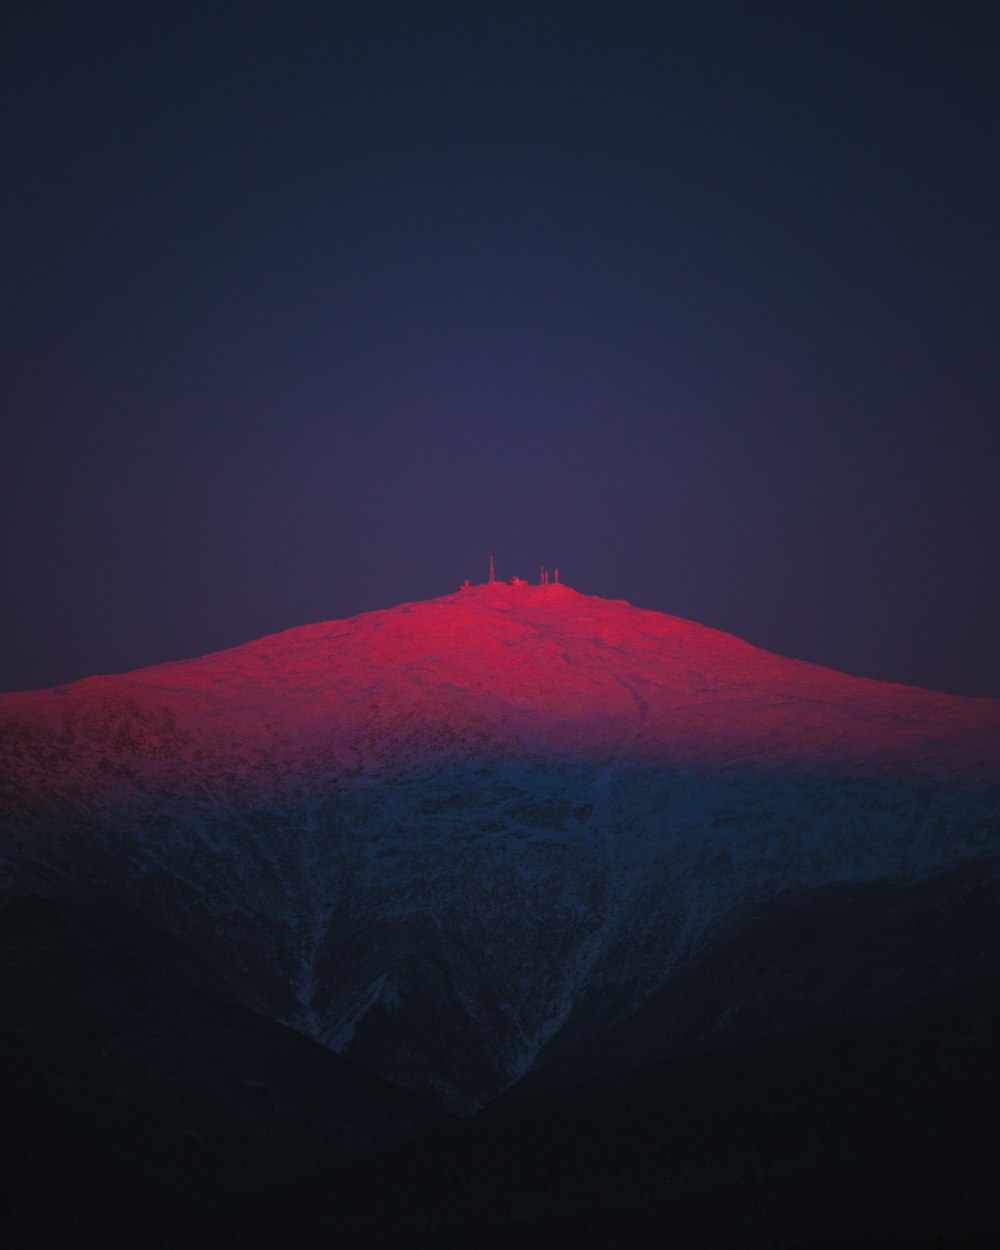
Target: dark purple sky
<point x="306" y="312"/>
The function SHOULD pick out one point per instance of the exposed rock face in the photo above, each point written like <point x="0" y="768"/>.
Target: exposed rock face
<point x="441" y="837"/>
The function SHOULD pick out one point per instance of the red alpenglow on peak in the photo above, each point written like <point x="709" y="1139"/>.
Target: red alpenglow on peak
<point x="508" y="669"/>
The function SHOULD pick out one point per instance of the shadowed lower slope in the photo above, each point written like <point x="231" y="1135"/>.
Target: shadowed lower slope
<point x="135" y="1085"/>
<point x="830" y="1119"/>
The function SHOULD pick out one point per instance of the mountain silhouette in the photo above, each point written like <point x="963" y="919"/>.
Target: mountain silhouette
<point x="508" y="849"/>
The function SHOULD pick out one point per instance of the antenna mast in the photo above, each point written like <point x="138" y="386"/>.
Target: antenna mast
<point x="492" y="578"/>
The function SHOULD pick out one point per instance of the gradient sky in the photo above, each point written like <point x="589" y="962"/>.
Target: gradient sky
<point x="310" y="307"/>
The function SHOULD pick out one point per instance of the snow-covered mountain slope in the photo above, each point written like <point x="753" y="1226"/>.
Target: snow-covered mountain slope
<point x="427" y="835"/>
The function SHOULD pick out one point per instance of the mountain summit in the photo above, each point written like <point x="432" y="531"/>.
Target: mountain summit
<point x="521" y="666"/>
<point x="449" y="838"/>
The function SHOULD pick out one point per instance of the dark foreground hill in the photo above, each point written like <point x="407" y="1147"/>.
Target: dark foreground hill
<point x="137" y="1091"/>
<point x="811" y="1125"/>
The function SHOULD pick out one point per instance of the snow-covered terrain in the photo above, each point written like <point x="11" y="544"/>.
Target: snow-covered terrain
<point x="435" y="837"/>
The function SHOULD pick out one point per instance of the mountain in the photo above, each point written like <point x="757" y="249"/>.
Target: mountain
<point x="491" y="834"/>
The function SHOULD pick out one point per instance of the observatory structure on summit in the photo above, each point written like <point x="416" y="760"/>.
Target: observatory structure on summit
<point x="544" y="578"/>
